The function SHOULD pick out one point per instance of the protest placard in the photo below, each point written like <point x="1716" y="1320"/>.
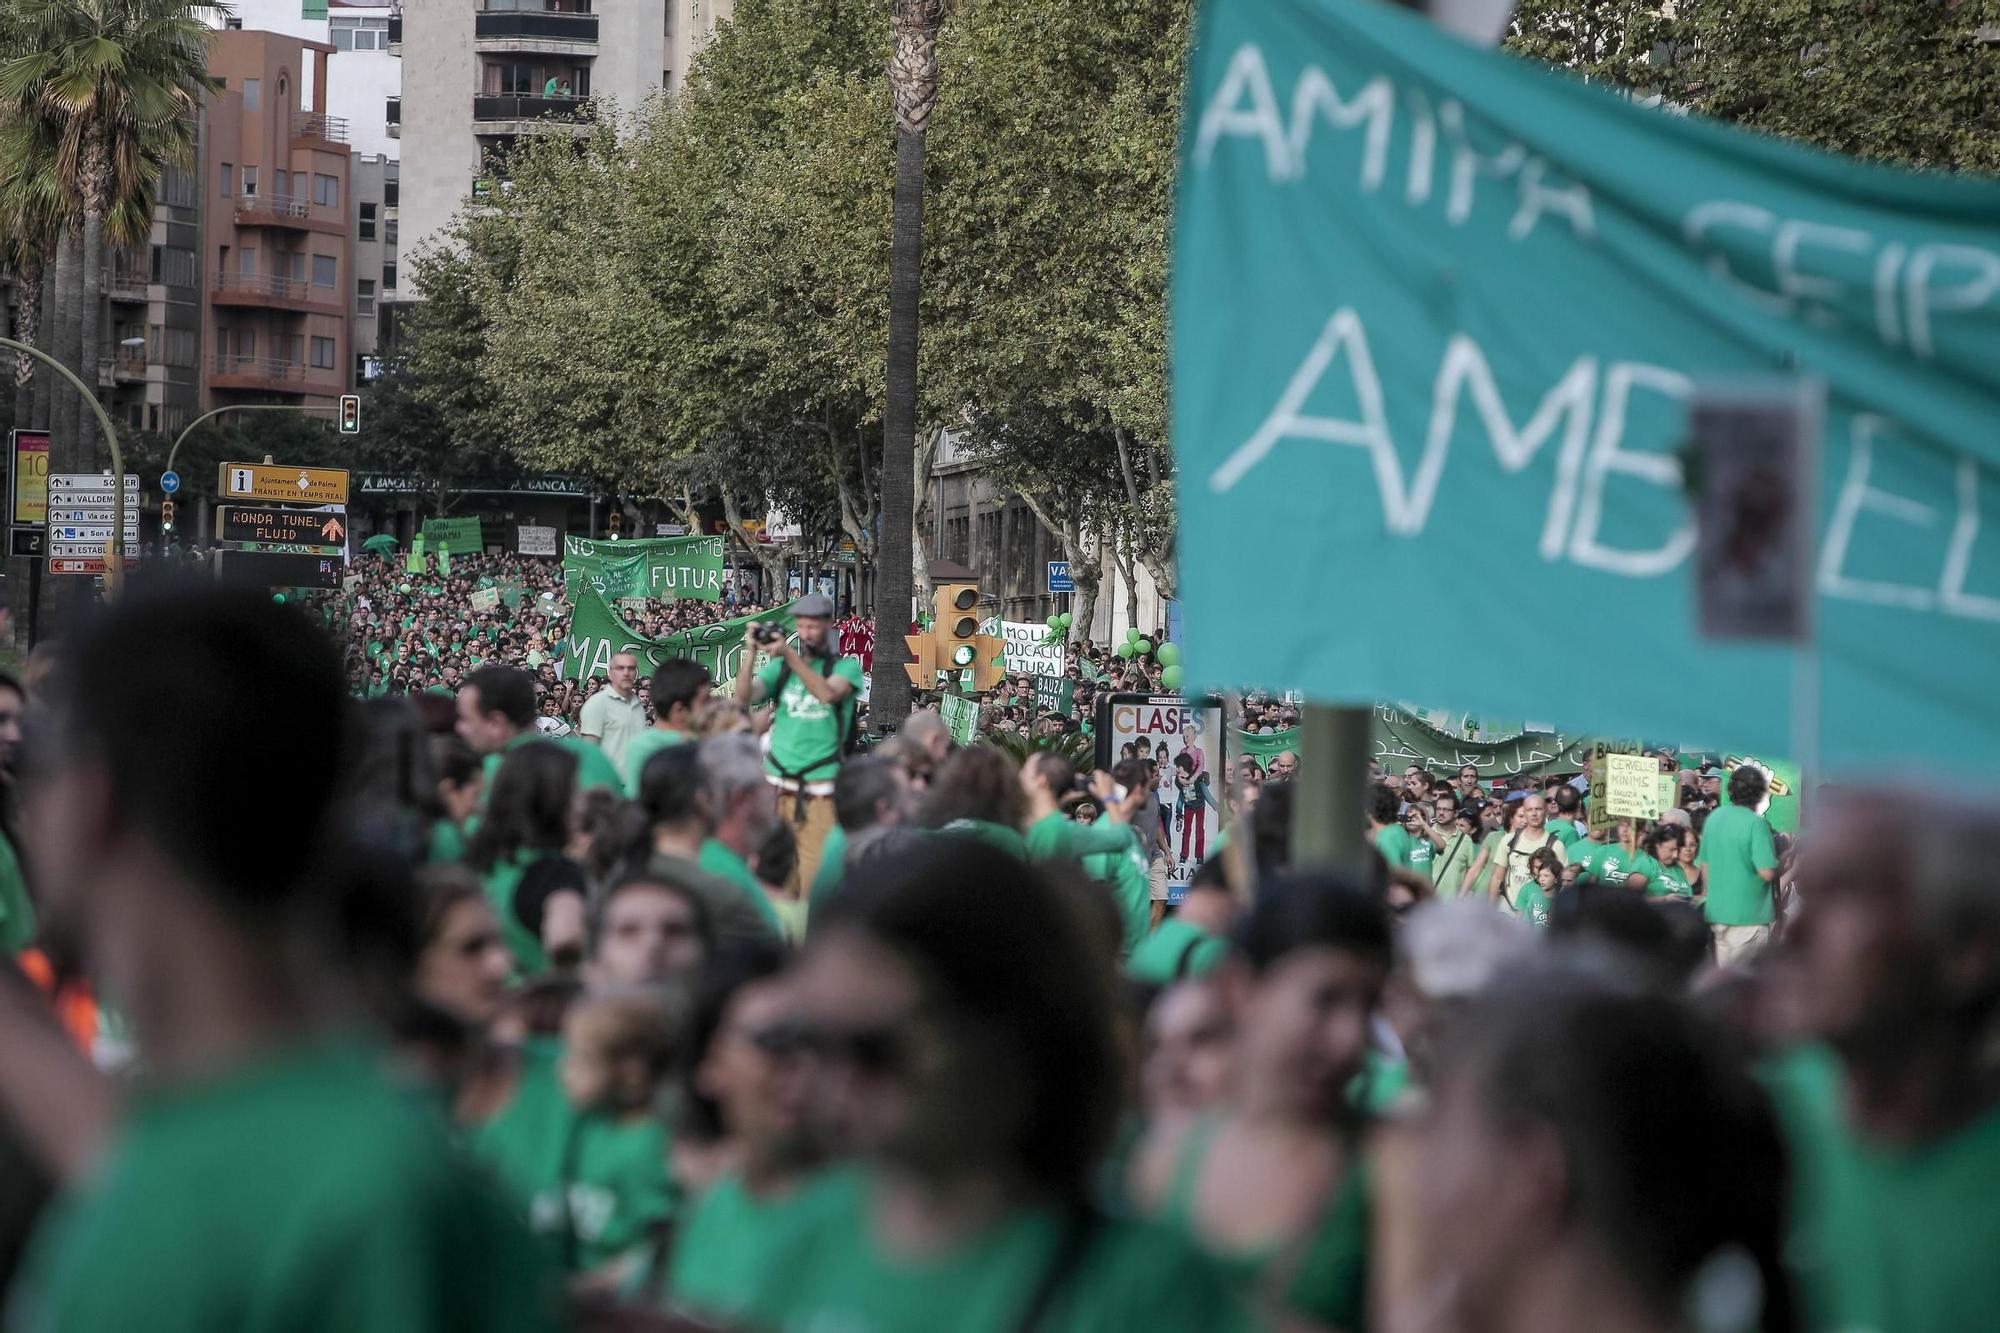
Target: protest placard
<point x="1632" y="786"/>
<point x="1026" y="652"/>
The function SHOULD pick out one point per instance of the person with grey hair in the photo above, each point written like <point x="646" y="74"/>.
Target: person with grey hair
<point x="671" y="793"/>
<point x="741" y="808"/>
<point x="1892" y="966"/>
<point x="872" y="791"/>
<point x="923" y="743"/>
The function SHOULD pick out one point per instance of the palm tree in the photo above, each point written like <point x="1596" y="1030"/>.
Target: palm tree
<point x="113" y="90"/>
<point x="913" y="78"/>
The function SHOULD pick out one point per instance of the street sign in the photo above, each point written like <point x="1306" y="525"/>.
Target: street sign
<point x="87" y="564"/>
<point x="170" y="482"/>
<point x="99" y="533"/>
<point x="294" y="485"/>
<point x="1059" y="579"/>
<point x="73" y="483"/>
<point x="291" y="548"/>
<point x="270" y="569"/>
<point x="268" y="523"/>
<point x="56" y="546"/>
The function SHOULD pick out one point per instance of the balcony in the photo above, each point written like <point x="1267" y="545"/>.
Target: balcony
<point x="230" y="371"/>
<point x="288" y="211"/>
<point x="531" y="115"/>
<point x="272" y="292"/>
<point x="392" y="114"/>
<point x="126" y="286"/>
<point x="557" y="32"/>
<point x="128" y="366"/>
<point x="324" y="129"/>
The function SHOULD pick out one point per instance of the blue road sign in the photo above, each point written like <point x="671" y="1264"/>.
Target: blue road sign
<point x="1059" y="579"/>
<point x="170" y="482"/>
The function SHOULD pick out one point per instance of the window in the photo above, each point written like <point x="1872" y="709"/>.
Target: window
<point x="298" y="265"/>
<point x="249" y="182"/>
<point x="246" y="261"/>
<point x="233" y="23"/>
<point x="295" y="348"/>
<point x="253" y="94"/>
<point x="358" y="34"/>
<point x="364" y="298"/>
<point x="174" y="265"/>
<point x="228" y="181"/>
<point x="281" y="183"/>
<point x="159" y="270"/>
<point x="392" y="193"/>
<point x="325" y="270"/>
<point x="326" y="190"/>
<point x="367" y="225"/>
<point x="322" y="353"/>
<point x="388" y="277"/>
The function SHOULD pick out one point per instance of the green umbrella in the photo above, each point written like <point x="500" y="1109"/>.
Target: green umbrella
<point x="381" y="541"/>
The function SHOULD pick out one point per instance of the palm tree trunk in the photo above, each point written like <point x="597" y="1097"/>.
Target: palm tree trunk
<point x="45" y="310"/>
<point x="913" y="83"/>
<point x="90" y="336"/>
<point x="63" y="412"/>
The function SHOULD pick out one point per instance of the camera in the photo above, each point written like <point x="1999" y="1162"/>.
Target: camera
<point x="767" y="631"/>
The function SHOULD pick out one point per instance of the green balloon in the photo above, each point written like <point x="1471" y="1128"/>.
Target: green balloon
<point x="278" y="597"/>
<point x="1054" y="622"/>
<point x="1132" y="634"/>
<point x="1123" y="650"/>
<point x="1142" y="646"/>
<point x="1170" y="654"/>
<point x="1171" y="677"/>
<point x="1063" y="620"/>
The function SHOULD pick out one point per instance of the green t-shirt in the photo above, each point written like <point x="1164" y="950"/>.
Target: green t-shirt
<point x="1395" y="844"/>
<point x="1671" y="882"/>
<point x="1453" y="859"/>
<point x="1421" y="854"/>
<point x="1899" y="1239"/>
<point x="806" y="733"/>
<point x="1495" y="848"/>
<point x="832" y="853"/>
<point x="447" y="843"/>
<point x="17" y="909"/>
<point x="1643" y="864"/>
<point x="1055" y="836"/>
<point x="720" y="860"/>
<point x="1125" y="872"/>
<point x="1007" y="839"/>
<point x="1735" y="845"/>
<point x="643" y="747"/>
<point x="1159" y="957"/>
<point x="1584" y="855"/>
<point x="1532" y="903"/>
<point x="592" y="1188"/>
<point x="1566" y="831"/>
<point x="829" y="1273"/>
<point x="723" y="1248"/>
<point x="594" y="769"/>
<point x="302" y="1194"/>
<point x="1613" y="863"/>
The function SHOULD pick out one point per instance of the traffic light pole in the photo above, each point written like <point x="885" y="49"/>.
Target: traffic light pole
<point x="114" y="566"/>
<point x="236" y="407"/>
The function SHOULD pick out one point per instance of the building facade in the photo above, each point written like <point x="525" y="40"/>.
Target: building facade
<point x="278" y="247"/>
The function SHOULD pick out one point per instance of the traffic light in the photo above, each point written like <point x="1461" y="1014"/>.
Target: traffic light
<point x="614" y="522"/>
<point x="957" y="643"/>
<point x="166" y="516"/>
<point x="350" y="414"/>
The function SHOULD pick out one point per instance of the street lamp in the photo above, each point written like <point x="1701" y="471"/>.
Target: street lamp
<point x="114" y="566"/>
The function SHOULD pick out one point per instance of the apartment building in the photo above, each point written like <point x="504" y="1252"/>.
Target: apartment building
<point x="364" y="77"/>
<point x="374" y="184"/>
<point x="278" y="246"/>
<point x="480" y="75"/>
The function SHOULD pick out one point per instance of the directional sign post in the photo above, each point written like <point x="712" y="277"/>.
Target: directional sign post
<point x="82" y="509"/>
<point x="286" y="485"/>
<point x="170" y="482"/>
<point x="1059" y="577"/>
<point x="324" y="526"/>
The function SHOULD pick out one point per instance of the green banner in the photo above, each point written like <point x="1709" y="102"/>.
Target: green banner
<point x="1402" y="737"/>
<point x="655" y="568"/>
<point x="1055" y="694"/>
<point x="961" y="715"/>
<point x="1438" y="312"/>
<point x="596" y="632"/>
<point x="413" y="561"/>
<point x="461" y="534"/>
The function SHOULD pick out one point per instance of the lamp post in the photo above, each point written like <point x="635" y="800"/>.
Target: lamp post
<point x="237" y="407"/>
<point x="114" y="564"/>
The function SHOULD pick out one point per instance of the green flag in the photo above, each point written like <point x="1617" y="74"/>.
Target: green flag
<point x="1437" y="312"/>
<point x="413" y="562"/>
<point x="461" y="534"/>
<point x="650" y="567"/>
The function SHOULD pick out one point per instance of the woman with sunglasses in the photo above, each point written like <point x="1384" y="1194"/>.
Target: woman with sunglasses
<point x="957" y="1021"/>
<point x="1276" y="1176"/>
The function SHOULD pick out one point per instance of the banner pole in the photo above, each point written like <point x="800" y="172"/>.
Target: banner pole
<point x="1331" y="793"/>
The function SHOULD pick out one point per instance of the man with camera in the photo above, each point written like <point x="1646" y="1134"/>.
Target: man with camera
<point x="814" y="692"/>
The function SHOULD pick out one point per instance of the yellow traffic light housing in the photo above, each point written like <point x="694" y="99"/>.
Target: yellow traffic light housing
<point x="166" y="516"/>
<point x="350" y="414"/>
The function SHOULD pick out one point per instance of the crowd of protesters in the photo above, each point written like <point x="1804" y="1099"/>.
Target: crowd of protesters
<point x="396" y="1013"/>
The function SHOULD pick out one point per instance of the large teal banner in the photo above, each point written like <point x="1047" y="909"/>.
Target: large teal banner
<point x="650" y="567"/>
<point x="597" y="632"/>
<point x="1437" y="313"/>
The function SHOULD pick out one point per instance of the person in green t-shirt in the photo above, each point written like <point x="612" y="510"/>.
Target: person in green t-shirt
<point x="747" y="1106"/>
<point x="266" y="1174"/>
<point x="1533" y="899"/>
<point x="1740" y="862"/>
<point x="1451" y="866"/>
<point x="742" y="808"/>
<point x="1385" y="828"/>
<point x="1892" y="1115"/>
<point x="1313" y="956"/>
<point x="1052" y="835"/>
<point x="677" y="689"/>
<point x="965" y="1208"/>
<point x="1417" y="824"/>
<point x="518" y="852"/>
<point x="872" y="792"/>
<point x="814" y="695"/>
<point x="496" y="715"/>
<point x="1192" y="939"/>
<point x="1632" y="1099"/>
